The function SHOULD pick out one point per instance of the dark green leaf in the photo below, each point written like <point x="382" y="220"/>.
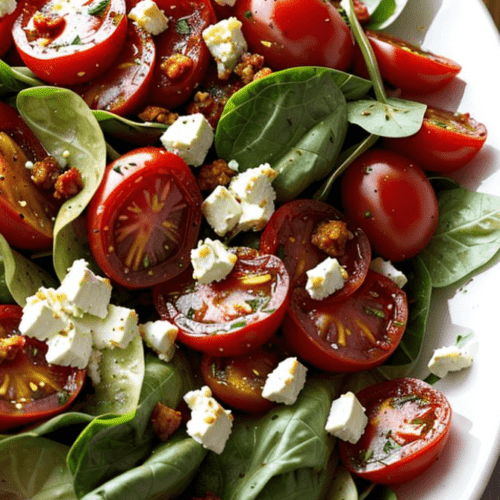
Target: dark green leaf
<point x="15" y="79"/>
<point x="98" y="7"/>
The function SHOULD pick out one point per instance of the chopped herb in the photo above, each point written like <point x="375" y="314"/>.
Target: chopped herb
<point x="365" y="455"/>
<point x="118" y="168"/>
<point x="374" y="312"/>
<point x="146" y="262"/>
<point x="390" y="445"/>
<point x="190" y="314"/>
<point x="62" y="397"/>
<point x="400" y="401"/>
<point x="239" y="324"/>
<point x="98" y="7"/>
<point x="248" y="14"/>
<point x="182" y="27"/>
<point x="77" y="41"/>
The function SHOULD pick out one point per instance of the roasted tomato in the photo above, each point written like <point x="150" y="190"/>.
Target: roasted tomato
<point x="354" y="334"/>
<point x="289" y="33"/>
<point x="28" y="213"/>
<point x="144" y="219"/>
<point x="30" y="389"/>
<point x="408" y="425"/>
<point x="232" y="316"/>
<point x="293" y="231"/>
<point x="70" y="43"/>
<point x="391" y="199"/>
<point x="6" y="24"/>
<point x="446" y="142"/>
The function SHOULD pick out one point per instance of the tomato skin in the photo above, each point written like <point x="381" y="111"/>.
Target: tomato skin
<point x="391" y="199"/>
<point x="405" y="65"/>
<point x="81" y="62"/>
<point x="416" y="449"/>
<point x="144" y="218"/>
<point x="445" y="143"/>
<point x="6" y="24"/>
<point x="28" y="367"/>
<point x="305" y="33"/>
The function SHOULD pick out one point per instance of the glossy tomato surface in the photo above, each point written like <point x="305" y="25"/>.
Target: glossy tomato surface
<point x="290" y="33"/>
<point x="354" y="334"/>
<point x="70" y="43"/>
<point x="144" y="219"/>
<point x="232" y="316"/>
<point x="391" y="199"/>
<point x="31" y="389"/>
<point x="408" y="425"/>
<point x="446" y="142"/>
<point x="6" y="24"/>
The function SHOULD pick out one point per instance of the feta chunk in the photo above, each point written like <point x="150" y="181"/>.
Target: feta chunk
<point x="285" y="382"/>
<point x="226" y="43"/>
<point x="347" y="419"/>
<point x="7" y="7"/>
<point x="210" y="424"/>
<point x="387" y="269"/>
<point x="326" y="278"/>
<point x="189" y="137"/>
<point x="94" y="368"/>
<point x="160" y="337"/>
<point x="449" y="359"/>
<point x="211" y="261"/>
<point x="222" y="210"/>
<point x="149" y="17"/>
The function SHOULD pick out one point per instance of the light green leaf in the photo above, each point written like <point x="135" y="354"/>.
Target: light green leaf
<point x="384" y="12"/>
<point x="343" y="486"/>
<point x="15" y="79"/>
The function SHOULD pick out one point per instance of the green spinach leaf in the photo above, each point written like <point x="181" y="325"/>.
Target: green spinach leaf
<point x="343" y="486"/>
<point x="383" y="12"/>
<point x="12" y="79"/>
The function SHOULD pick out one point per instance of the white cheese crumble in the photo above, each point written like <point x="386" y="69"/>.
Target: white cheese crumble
<point x="149" y="17"/>
<point x="211" y="261"/>
<point x="222" y="210"/>
<point x="386" y="268"/>
<point x="285" y="382"/>
<point x="449" y="359"/>
<point x="325" y="279"/>
<point x="347" y="419"/>
<point x="7" y="7"/>
<point x="160" y="337"/>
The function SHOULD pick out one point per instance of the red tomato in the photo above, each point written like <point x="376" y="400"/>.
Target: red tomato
<point x="391" y="199"/>
<point x="28" y="214"/>
<point x="6" y="24"/>
<point x="406" y="66"/>
<point x="446" y="142"/>
<point x="360" y="9"/>
<point x="288" y="234"/>
<point x="408" y="426"/>
<point x="289" y="33"/>
<point x="354" y="334"/>
<point x="67" y="46"/>
<point x="124" y="87"/>
<point x="232" y="316"/>
<point x="144" y="219"/>
<point x="31" y="389"/>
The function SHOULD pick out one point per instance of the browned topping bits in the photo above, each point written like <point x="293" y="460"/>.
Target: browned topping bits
<point x="68" y="184"/>
<point x="331" y="236"/>
<point x="251" y="67"/>
<point x="165" y="421"/>
<point x="45" y="172"/>
<point x="158" y="115"/>
<point x="10" y="346"/>
<point x="214" y="174"/>
<point x="176" y="66"/>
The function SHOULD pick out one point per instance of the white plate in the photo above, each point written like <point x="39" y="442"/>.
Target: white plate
<point x="464" y="31"/>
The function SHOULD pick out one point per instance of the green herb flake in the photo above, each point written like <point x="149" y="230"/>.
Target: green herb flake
<point x="62" y="397"/>
<point x="390" y="446"/>
<point x="190" y="314"/>
<point x="239" y="324"/>
<point x="98" y="7"/>
<point x="77" y="40"/>
<point x="182" y="27"/>
<point x="374" y="312"/>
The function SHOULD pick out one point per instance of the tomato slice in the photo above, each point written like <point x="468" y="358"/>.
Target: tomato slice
<point x="408" y="426"/>
<point x="446" y="142"/>
<point x="6" y="24"/>
<point x="30" y="389"/>
<point x="71" y="42"/>
<point x="145" y="217"/>
<point x="230" y="317"/>
<point x="289" y="232"/>
<point x="357" y="333"/>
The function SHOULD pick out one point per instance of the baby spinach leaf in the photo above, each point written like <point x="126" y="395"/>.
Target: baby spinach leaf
<point x="383" y="12"/>
<point x="5" y="295"/>
<point x="295" y="119"/>
<point x="12" y="80"/>
<point x="343" y="486"/>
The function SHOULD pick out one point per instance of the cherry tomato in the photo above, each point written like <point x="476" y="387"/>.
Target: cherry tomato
<point x="124" y="87"/>
<point x="289" y="232"/>
<point x="232" y="316"/>
<point x="391" y="199"/>
<point x="6" y="24"/>
<point x="28" y="214"/>
<point x="360" y="9"/>
<point x="70" y="44"/>
<point x="144" y="218"/>
<point x="349" y="335"/>
<point x="407" y="66"/>
<point x="30" y="389"/>
<point x="446" y="142"/>
<point x="408" y="425"/>
<point x="288" y="33"/>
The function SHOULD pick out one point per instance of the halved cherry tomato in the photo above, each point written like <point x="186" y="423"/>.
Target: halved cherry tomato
<point x="6" y="24"/>
<point x="289" y="232"/>
<point x="124" y="87"/>
<point x="30" y="389"/>
<point x="408" y="426"/>
<point x="72" y="42"/>
<point x="349" y="335"/>
<point x="391" y="199"/>
<point x="360" y="9"/>
<point x="407" y="66"/>
<point x="232" y="316"/>
<point x="144" y="219"/>
<point x="446" y="142"/>
<point x="28" y="214"/>
<point x="290" y="33"/>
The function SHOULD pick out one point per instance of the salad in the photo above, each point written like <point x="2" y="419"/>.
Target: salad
<point x="86" y="439"/>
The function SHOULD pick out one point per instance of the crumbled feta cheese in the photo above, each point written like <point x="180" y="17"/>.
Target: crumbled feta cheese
<point x="222" y="210"/>
<point x="149" y="17"/>
<point x="449" y="359"/>
<point x="160" y="337"/>
<point x="211" y="261"/>
<point x="226" y="43"/>
<point x="285" y="382"/>
<point x="93" y="369"/>
<point x="210" y="424"/>
<point x="326" y="278"/>
<point x="7" y="7"/>
<point x="347" y="419"/>
<point x="189" y="137"/>
<point x="387" y="269"/>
